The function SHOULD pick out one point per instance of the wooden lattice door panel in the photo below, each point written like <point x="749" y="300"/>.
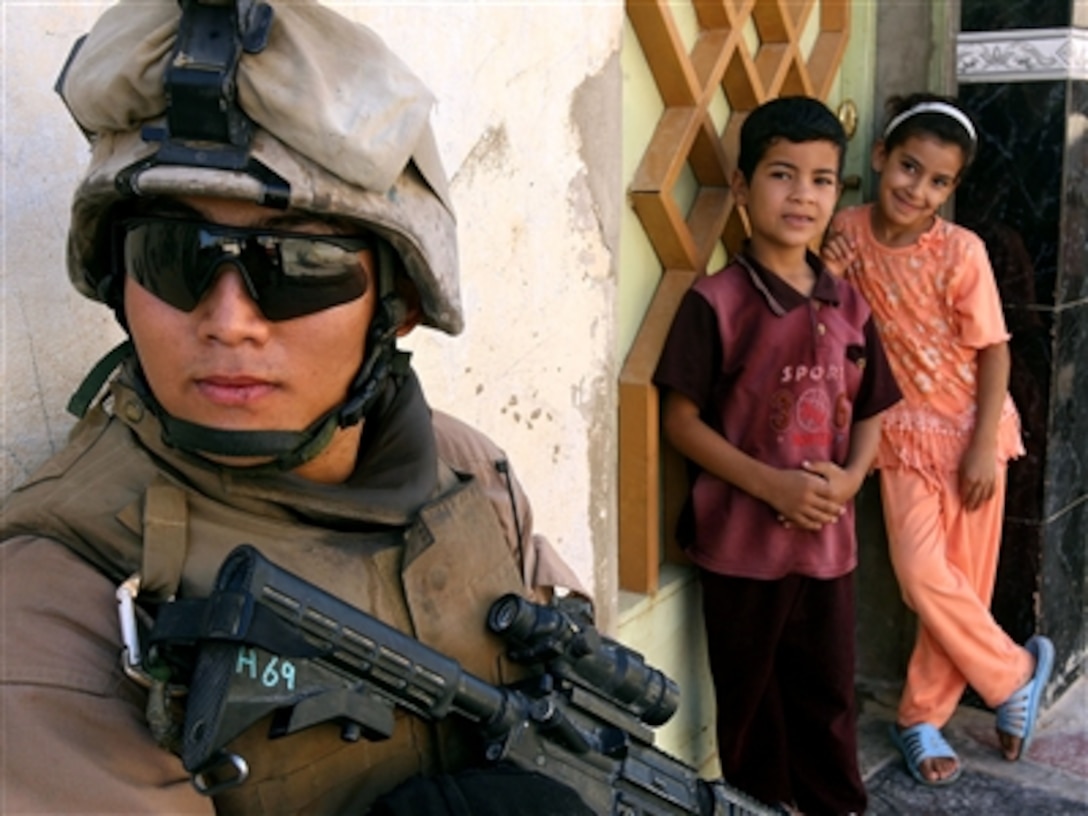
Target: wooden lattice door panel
<point x="744" y="53"/>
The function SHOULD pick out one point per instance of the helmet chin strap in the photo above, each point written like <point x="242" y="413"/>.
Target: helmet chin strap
<point x="287" y="449"/>
<point x="383" y="366"/>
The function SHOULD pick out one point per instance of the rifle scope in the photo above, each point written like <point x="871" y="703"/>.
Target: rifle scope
<point x="579" y="653"/>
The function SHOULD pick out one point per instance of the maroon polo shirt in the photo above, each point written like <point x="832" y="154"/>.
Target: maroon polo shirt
<point x="783" y="377"/>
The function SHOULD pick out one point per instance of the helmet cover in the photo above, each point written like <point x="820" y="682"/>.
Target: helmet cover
<point x="337" y="116"/>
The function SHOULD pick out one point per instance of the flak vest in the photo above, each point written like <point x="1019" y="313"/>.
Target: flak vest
<point x="125" y="502"/>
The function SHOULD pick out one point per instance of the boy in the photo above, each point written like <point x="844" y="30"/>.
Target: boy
<point x="773" y="380"/>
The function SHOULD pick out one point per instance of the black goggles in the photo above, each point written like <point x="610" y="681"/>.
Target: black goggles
<point x="287" y="274"/>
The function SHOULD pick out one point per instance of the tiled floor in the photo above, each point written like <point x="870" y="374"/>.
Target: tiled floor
<point x="1052" y="780"/>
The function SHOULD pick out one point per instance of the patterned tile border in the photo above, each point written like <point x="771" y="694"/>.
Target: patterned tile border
<point x="1022" y="56"/>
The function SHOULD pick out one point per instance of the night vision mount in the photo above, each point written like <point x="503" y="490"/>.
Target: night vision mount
<point x="204" y="124"/>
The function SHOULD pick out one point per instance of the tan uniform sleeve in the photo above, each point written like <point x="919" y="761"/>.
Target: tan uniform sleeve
<point x="72" y="728"/>
<point x="467" y="450"/>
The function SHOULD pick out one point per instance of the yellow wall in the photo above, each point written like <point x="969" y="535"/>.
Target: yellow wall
<point x="639" y="269"/>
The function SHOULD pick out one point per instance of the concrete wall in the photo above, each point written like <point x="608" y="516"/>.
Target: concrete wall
<point x="528" y="121"/>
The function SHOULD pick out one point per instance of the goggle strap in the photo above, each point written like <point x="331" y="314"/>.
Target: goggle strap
<point x="80" y="401"/>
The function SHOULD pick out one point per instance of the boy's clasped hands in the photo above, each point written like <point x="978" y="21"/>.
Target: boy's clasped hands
<point x="813" y="496"/>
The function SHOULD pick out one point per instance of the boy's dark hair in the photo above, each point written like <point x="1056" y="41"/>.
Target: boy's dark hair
<point x="793" y="118"/>
<point x="929" y="123"/>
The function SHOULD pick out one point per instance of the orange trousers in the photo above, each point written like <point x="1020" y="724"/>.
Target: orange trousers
<point x="945" y="560"/>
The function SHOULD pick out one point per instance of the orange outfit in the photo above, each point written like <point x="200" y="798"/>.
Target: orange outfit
<point x="936" y="305"/>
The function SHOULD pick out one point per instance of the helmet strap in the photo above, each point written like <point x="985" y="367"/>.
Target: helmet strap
<point x="288" y="449"/>
<point x="383" y="358"/>
<point x="80" y="402"/>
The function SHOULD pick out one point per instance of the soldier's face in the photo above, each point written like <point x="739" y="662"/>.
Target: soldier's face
<point x="226" y="365"/>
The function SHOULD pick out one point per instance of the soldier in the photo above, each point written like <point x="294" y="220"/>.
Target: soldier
<point x="266" y="213"/>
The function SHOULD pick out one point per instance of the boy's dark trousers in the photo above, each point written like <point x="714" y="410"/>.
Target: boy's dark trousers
<point x="782" y="660"/>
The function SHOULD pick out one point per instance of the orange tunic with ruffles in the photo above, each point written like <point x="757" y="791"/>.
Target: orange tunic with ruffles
<point x="936" y="305"/>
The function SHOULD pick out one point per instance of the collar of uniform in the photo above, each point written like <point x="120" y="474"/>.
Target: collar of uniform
<point x="780" y="296"/>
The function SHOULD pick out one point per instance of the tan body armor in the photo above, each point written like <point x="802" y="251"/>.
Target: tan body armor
<point x="127" y="504"/>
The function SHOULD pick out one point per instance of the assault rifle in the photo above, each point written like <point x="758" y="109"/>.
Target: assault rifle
<point x="272" y="643"/>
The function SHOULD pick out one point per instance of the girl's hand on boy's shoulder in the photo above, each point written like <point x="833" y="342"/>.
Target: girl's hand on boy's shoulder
<point x="804" y="499"/>
<point x="840" y="254"/>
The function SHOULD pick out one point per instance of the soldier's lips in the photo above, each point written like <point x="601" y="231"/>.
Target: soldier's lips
<point x="234" y="390"/>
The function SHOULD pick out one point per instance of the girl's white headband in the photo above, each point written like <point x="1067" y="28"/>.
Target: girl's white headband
<point x="933" y="107"/>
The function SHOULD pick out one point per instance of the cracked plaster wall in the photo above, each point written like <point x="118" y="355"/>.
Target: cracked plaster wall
<point x="528" y="122"/>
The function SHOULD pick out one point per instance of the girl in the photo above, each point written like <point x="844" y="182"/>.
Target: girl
<point x="944" y="449"/>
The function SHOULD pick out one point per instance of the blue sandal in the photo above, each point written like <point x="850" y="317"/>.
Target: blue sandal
<point x="921" y="742"/>
<point x="1017" y="715"/>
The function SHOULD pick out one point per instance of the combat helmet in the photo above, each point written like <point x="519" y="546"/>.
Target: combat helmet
<point x="286" y="104"/>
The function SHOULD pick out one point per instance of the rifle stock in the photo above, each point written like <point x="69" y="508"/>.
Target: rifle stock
<point x="271" y="642"/>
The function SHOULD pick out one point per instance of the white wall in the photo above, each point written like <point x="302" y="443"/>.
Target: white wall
<point x="528" y="124"/>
